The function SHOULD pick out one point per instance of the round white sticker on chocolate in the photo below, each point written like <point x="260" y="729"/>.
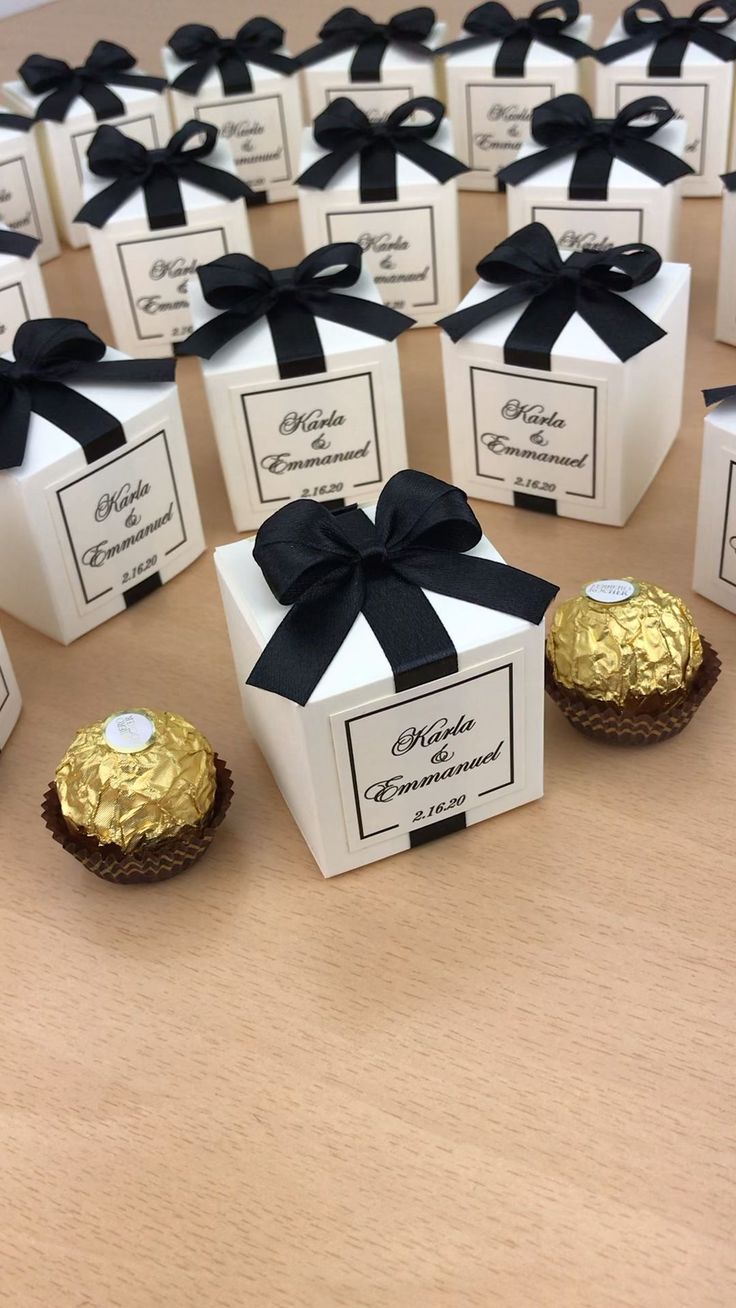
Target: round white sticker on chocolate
<point x="611" y="591"/>
<point x="129" y="732"/>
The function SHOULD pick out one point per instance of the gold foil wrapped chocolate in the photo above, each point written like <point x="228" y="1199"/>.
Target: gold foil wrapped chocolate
<point x="136" y="777"/>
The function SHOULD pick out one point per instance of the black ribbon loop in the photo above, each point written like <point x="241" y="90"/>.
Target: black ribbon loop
<point x="50" y="355"/>
<point x="672" y="35"/>
<point x="292" y="299"/>
<point x="530" y="267"/>
<point x="349" y="27"/>
<point x="546" y="24"/>
<point x="332" y="567"/>
<point x="344" y="130"/>
<point x="132" y="167"/>
<point x="106" y="65"/>
<point x="17" y="243"/>
<point x="257" y="42"/>
<point x="715" y="394"/>
<point x="566" y="126"/>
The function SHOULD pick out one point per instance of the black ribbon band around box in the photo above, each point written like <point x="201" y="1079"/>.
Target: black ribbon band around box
<point x="349" y="27"/>
<point x="16" y="122"/>
<point x="330" y="567"/>
<point x="344" y="130"/>
<point x="50" y="355"/>
<point x="292" y="300"/>
<point x="566" y="126"/>
<point x="649" y="22"/>
<point x="132" y="167"/>
<point x="546" y="24"/>
<point x="258" y="41"/>
<point x="106" y="66"/>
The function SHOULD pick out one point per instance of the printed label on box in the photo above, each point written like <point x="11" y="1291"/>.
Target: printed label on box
<point x="17" y="204"/>
<point x="576" y="227"/>
<point x="317" y="439"/>
<point x="255" y="129"/>
<point x="13" y="311"/>
<point x="156" y="270"/>
<point x="120" y="521"/>
<point x="499" y="118"/>
<point x="535" y="434"/>
<point x="689" y="101"/>
<point x="400" y="251"/>
<point x="141" y="129"/>
<point x="447" y="748"/>
<point x="376" y="102"/>
<point x="727" y="569"/>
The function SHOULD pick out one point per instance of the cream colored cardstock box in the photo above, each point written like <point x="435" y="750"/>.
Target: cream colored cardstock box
<point x="702" y="97"/>
<point x="24" y="200"/>
<point x="64" y="145"/>
<point x="403" y="76"/>
<point x="10" y="700"/>
<point x="145" y="275"/>
<point x="606" y="419"/>
<point x="263" y="127"/>
<point x="326" y="755"/>
<point x="75" y="525"/>
<point x="332" y="436"/>
<point x="491" y="116"/>
<point x="22" y="295"/>
<point x="726" y="288"/>
<point x="410" y="245"/>
<point x="715" y="545"/>
<point x="637" y="207"/>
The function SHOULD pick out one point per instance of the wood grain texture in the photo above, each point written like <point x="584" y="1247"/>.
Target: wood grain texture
<point x="494" y="1071"/>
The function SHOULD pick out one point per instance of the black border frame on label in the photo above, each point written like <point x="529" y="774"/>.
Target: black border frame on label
<point x="404" y="208"/>
<point x="729" y="492"/>
<point x="5" y="687"/>
<point x="11" y="286"/>
<point x="438" y="690"/>
<point x="656" y="84"/>
<point x="21" y="159"/>
<point x="500" y="84"/>
<point x="200" y="108"/>
<point x="172" y="234"/>
<point x="126" y="122"/>
<point x="584" y="208"/>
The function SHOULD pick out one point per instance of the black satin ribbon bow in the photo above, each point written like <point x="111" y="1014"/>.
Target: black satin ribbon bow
<point x="349" y="27"/>
<point x="107" y="64"/>
<point x="132" y="167"/>
<point x="345" y="130"/>
<point x="332" y="567"/>
<point x="566" y="126"/>
<point x="530" y="267"/>
<point x="672" y="35"/>
<point x="715" y="394"/>
<point x="51" y="355"/>
<point x="291" y="299"/>
<point x="17" y="243"/>
<point x="256" y="42"/>
<point x="546" y="23"/>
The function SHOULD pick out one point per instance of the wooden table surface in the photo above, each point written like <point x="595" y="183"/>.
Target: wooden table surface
<point x="493" y="1072"/>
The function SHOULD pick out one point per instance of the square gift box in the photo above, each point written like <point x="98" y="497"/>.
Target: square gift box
<point x="96" y="491"/>
<point x="10" y="700"/>
<point x="244" y="86"/>
<point x="715" y="544"/>
<point x="24" y="202"/>
<point x="70" y="103"/>
<point x="689" y="62"/>
<point x="154" y="218"/>
<point x="596" y="183"/>
<point x="497" y="72"/>
<point x="377" y="65"/>
<point x="400" y="697"/>
<point x="22" y="292"/>
<point x="391" y="188"/>
<point x="302" y="376"/>
<point x="549" y="366"/>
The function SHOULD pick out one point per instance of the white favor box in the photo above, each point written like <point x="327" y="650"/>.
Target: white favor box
<point x="347" y="422"/>
<point x="715" y="545"/>
<point x="64" y="145"/>
<point x="325" y="755"/>
<point x="10" y="700"/>
<point x="262" y="127"/>
<point x="145" y="275"/>
<point x="491" y="115"/>
<point x="404" y="75"/>
<point x="69" y="521"/>
<point x="22" y="294"/>
<point x="637" y="209"/>
<point x="410" y="245"/>
<point x="726" y="292"/>
<point x="24" y="200"/>
<point x="702" y="97"/>
<point x="606" y="416"/>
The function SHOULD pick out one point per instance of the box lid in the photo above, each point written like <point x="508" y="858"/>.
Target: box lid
<point x="695" y="58"/>
<point x="672" y="137"/>
<point x="211" y="86"/>
<point x="348" y="178"/>
<point x="132" y="97"/>
<point x="194" y="198"/>
<point x="396" y="58"/>
<point x="540" y="58"/>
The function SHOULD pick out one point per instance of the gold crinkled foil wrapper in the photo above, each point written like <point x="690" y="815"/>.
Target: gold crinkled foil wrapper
<point x="124" y="799"/>
<point x="641" y="653"/>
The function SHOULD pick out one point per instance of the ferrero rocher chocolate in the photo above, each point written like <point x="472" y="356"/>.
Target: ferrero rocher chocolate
<point x="136" y="777"/>
<point x="625" y="642"/>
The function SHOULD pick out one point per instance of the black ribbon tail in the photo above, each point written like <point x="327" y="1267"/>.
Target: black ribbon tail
<point x="378" y="169"/>
<point x="511" y="57"/>
<point x="365" y="65"/>
<point x="164" y="202"/>
<point x="296" y="340"/>
<point x="590" y="174"/>
<point x="532" y="339"/>
<point x="667" y="56"/>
